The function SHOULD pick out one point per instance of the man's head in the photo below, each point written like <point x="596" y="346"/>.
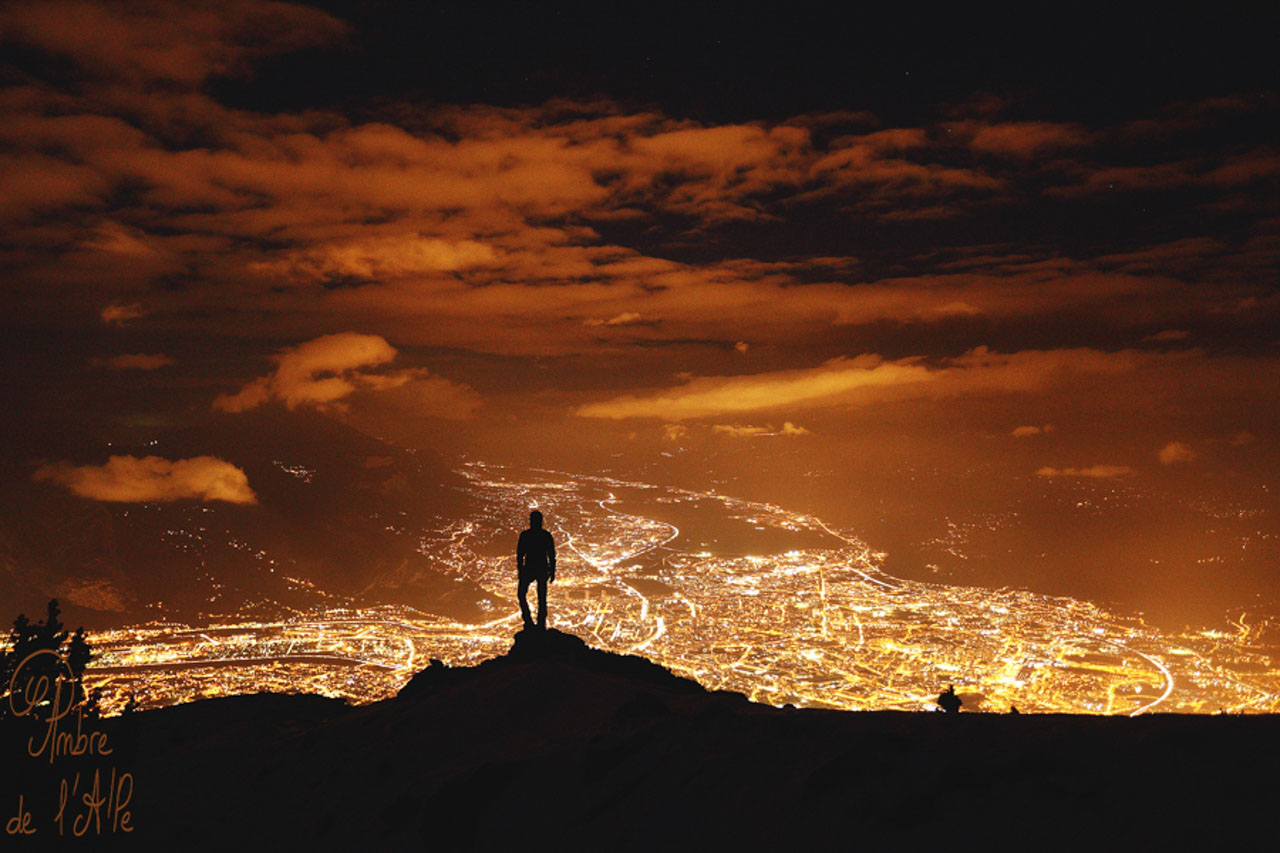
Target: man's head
<point x="535" y="520"/>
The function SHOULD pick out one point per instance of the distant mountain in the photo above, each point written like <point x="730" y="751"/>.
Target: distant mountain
<point x="338" y="514"/>
<point x="558" y="746"/>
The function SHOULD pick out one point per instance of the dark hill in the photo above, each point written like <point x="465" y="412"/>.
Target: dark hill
<point x="558" y="746"/>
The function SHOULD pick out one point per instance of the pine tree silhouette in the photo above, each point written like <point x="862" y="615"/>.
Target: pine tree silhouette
<point x="48" y="634"/>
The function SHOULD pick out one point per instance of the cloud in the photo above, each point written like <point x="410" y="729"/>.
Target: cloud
<point x="322" y="371"/>
<point x="1176" y="453"/>
<point x="117" y="315"/>
<point x="1183" y="116"/>
<point x="626" y="318"/>
<point x="1028" y="431"/>
<point x="1022" y="139"/>
<point x="151" y="478"/>
<point x="1181" y="256"/>
<point x="862" y="380"/>
<point x="379" y="258"/>
<point x="410" y="395"/>
<point x="136" y="361"/>
<point x="740" y="431"/>
<point x="1105" y="179"/>
<point x="748" y="431"/>
<point x="1224" y="173"/>
<point x="178" y="43"/>
<point x="117" y="239"/>
<point x="475" y="227"/>
<point x="1001" y="290"/>
<point x="1101" y="472"/>
<point x="589" y="229"/>
<point x="316" y="372"/>
<point x="674" y="432"/>
<point x="893" y="170"/>
<point x="1169" y="335"/>
<point x="705" y="396"/>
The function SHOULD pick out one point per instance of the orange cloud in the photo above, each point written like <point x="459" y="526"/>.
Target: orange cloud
<point x="1022" y="139"/>
<point x="735" y="431"/>
<point x="322" y="371"/>
<point x="700" y="397"/>
<point x="475" y="227"/>
<point x="557" y="298"/>
<point x="1179" y="255"/>
<point x="626" y="318"/>
<point x="130" y="479"/>
<point x="380" y="258"/>
<point x="411" y="395"/>
<point x="674" y="432"/>
<point x="1028" y="431"/>
<point x="875" y="162"/>
<point x="862" y="380"/>
<point x="1168" y="335"/>
<point x="1176" y="453"/>
<point x="470" y="227"/>
<point x="117" y="315"/>
<point x="1162" y="176"/>
<point x="1236" y="170"/>
<point x="117" y="239"/>
<point x="181" y="43"/>
<point x="1100" y="472"/>
<point x="316" y="372"/>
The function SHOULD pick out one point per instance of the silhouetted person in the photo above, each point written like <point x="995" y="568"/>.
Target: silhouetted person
<point x="949" y="701"/>
<point x="535" y="561"/>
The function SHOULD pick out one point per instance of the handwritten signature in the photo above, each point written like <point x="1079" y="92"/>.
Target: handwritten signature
<point x="37" y="689"/>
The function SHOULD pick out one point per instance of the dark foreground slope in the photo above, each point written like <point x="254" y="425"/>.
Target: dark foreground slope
<point x="559" y="746"/>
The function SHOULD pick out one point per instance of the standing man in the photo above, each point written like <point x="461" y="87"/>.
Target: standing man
<point x="535" y="561"/>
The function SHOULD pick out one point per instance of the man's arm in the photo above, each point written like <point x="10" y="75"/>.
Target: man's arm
<point x="551" y="557"/>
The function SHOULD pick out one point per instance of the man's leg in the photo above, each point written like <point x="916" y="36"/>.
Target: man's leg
<point x="522" y="592"/>
<point x="542" y="601"/>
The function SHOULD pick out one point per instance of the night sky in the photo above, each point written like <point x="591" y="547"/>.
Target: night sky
<point x="942" y="265"/>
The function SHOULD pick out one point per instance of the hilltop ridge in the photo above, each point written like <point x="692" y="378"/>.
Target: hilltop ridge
<point x="556" y="744"/>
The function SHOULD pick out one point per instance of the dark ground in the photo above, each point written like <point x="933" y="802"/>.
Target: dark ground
<point x="560" y="746"/>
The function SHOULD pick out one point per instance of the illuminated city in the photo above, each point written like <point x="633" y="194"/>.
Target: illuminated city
<point x="737" y="595"/>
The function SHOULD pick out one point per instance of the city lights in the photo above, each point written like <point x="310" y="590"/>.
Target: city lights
<point x="810" y="620"/>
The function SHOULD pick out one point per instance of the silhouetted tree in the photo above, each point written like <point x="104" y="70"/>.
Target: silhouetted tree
<point x="15" y="649"/>
<point x="48" y="634"/>
<point x="948" y="701"/>
<point x="78" y="656"/>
